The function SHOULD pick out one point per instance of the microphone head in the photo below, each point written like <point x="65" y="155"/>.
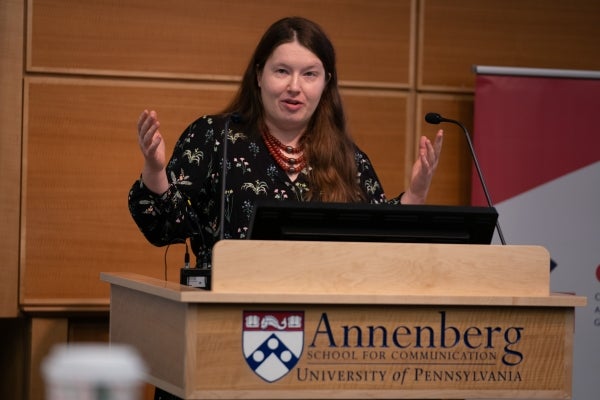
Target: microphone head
<point x="433" y="118"/>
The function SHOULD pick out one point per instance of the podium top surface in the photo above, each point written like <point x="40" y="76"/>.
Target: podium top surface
<point x="185" y="294"/>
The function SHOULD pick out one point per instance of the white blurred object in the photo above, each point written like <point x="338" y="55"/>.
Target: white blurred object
<point x="93" y="372"/>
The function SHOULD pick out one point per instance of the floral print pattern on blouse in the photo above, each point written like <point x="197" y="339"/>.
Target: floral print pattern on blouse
<point x="191" y="206"/>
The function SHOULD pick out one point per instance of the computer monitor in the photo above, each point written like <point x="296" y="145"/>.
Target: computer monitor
<point x="278" y="220"/>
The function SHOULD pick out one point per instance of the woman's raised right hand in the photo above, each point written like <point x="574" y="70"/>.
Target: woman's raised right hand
<point x="152" y="146"/>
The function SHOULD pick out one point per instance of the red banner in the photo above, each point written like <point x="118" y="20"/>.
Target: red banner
<point x="531" y="130"/>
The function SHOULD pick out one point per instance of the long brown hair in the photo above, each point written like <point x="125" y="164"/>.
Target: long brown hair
<point x="327" y="145"/>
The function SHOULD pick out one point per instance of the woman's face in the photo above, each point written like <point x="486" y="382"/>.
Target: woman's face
<point x="291" y="84"/>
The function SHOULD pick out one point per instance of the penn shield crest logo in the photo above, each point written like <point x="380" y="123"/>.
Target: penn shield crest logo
<point x="272" y="342"/>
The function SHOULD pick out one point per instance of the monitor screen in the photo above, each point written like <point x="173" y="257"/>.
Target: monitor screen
<point x="372" y="223"/>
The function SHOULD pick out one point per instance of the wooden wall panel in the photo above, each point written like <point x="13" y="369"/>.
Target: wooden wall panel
<point x="45" y="334"/>
<point x="455" y="35"/>
<point x="11" y="96"/>
<point x="452" y="182"/>
<point x="213" y="39"/>
<point x="378" y="121"/>
<point x="81" y="157"/>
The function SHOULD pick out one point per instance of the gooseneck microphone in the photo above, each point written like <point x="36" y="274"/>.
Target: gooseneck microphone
<point x="435" y="119"/>
<point x="201" y="276"/>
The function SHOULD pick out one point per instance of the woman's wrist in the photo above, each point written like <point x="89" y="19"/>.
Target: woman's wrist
<point x="409" y="197"/>
<point x="156" y="182"/>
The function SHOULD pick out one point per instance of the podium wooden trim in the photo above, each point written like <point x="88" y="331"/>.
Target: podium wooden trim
<point x="442" y="301"/>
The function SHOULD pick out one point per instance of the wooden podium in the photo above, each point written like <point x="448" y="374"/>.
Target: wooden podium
<point x="324" y="320"/>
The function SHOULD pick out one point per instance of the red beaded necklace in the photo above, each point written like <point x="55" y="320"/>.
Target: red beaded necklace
<point x="280" y="152"/>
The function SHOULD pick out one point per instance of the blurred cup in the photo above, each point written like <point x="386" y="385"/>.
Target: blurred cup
<point x="93" y="372"/>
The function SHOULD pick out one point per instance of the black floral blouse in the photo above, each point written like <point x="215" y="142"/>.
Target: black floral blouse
<point x="191" y="206"/>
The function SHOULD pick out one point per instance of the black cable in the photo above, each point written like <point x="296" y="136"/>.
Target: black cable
<point x="165" y="261"/>
<point x="186" y="258"/>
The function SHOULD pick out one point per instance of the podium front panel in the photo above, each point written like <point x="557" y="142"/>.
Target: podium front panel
<point x="265" y="351"/>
